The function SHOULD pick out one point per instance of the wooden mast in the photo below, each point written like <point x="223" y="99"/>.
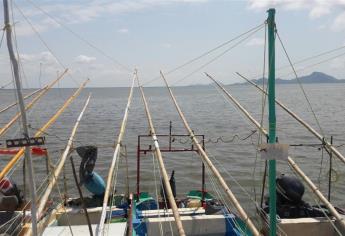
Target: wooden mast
<point x="15" y="158"/>
<point x="100" y="226"/>
<point x="206" y="160"/>
<point x="306" y="125"/>
<point x="28" y="106"/>
<point x="59" y="167"/>
<point x="159" y="157"/>
<point x="291" y="162"/>
<point x="25" y="97"/>
<point x="25" y="130"/>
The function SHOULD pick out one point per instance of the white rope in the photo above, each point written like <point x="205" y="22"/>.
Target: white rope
<point x="156" y="188"/>
<point x="242" y="188"/>
<point x="99" y="228"/>
<point x="44" y="43"/>
<point x="216" y="188"/>
<point x="323" y="211"/>
<point x="165" y="203"/>
<point x="120" y="65"/>
<point x="114" y="181"/>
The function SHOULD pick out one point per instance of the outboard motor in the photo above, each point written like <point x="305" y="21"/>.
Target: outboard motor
<point x="92" y="181"/>
<point x="11" y="198"/>
<point x="290" y="192"/>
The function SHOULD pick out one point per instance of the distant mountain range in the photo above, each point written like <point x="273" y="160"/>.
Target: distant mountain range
<point x="313" y="78"/>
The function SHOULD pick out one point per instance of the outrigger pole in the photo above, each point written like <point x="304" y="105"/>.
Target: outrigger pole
<point x="306" y="125"/>
<point x="41" y="131"/>
<point x="25" y="97"/>
<point x="56" y="173"/>
<point x="204" y="157"/>
<point x="158" y="155"/>
<point x="291" y="162"/>
<point x="100" y="226"/>
<point x="28" y="106"/>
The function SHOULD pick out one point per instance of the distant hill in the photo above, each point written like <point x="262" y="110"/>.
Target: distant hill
<point x="313" y="78"/>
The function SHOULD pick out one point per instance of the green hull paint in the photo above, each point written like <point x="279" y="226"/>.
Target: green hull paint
<point x="272" y="119"/>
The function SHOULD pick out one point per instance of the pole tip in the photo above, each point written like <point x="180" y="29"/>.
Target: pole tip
<point x="271" y="10"/>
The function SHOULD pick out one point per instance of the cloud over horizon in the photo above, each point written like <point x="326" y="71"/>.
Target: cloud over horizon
<point x="315" y="8"/>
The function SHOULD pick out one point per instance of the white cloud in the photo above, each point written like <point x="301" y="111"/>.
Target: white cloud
<point x="44" y="57"/>
<point x="24" y="29"/>
<point x="81" y="12"/>
<point x="166" y="45"/>
<point x="319" y="11"/>
<point x="316" y="8"/>
<point x="256" y="42"/>
<point x="82" y="59"/>
<point x="338" y="63"/>
<point x="123" y="31"/>
<point x="339" y="22"/>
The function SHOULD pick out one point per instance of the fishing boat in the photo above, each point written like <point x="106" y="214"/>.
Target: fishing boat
<point x="206" y="211"/>
<point x="15" y="209"/>
<point x="144" y="213"/>
<point x="285" y="211"/>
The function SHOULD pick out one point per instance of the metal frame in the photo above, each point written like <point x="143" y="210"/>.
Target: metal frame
<point x="170" y="148"/>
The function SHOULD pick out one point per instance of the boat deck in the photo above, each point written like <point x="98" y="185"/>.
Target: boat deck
<point x="112" y="229"/>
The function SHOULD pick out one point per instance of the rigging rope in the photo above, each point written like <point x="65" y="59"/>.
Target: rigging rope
<point x="216" y="188"/>
<point x="165" y="200"/>
<point x="156" y="192"/>
<point x="318" y="63"/>
<point x="319" y="206"/>
<point x="6" y="84"/>
<point x="80" y="37"/>
<point x="263" y="105"/>
<point x="43" y="41"/>
<point x="315" y="56"/>
<point x="309" y="59"/>
<point x="114" y="182"/>
<point x="17" y="51"/>
<point x="300" y="84"/>
<point x="3" y="34"/>
<point x="219" y="55"/>
<point x="204" y="54"/>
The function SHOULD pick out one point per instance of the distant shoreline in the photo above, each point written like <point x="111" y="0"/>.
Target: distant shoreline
<point x="313" y="78"/>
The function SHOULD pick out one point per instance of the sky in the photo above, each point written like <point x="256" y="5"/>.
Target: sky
<point x="107" y="40"/>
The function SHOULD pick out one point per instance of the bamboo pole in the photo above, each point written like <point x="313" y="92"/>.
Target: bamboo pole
<point x="60" y="166"/>
<point x="15" y="158"/>
<point x="206" y="160"/>
<point x="25" y="97"/>
<point x="297" y="118"/>
<point x="100" y="226"/>
<point x="158" y="155"/>
<point x="291" y="162"/>
<point x="63" y="158"/>
<point x="28" y="106"/>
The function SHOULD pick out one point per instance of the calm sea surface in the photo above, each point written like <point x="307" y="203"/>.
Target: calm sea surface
<point x="208" y="113"/>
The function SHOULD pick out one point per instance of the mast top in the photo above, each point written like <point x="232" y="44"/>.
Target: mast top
<point x="271" y="11"/>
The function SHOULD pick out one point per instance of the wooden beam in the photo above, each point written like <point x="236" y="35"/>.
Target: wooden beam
<point x="214" y="170"/>
<point x="159" y="157"/>
<point x="41" y="131"/>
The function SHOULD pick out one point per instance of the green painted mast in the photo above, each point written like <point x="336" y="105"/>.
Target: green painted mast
<point x="272" y="120"/>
